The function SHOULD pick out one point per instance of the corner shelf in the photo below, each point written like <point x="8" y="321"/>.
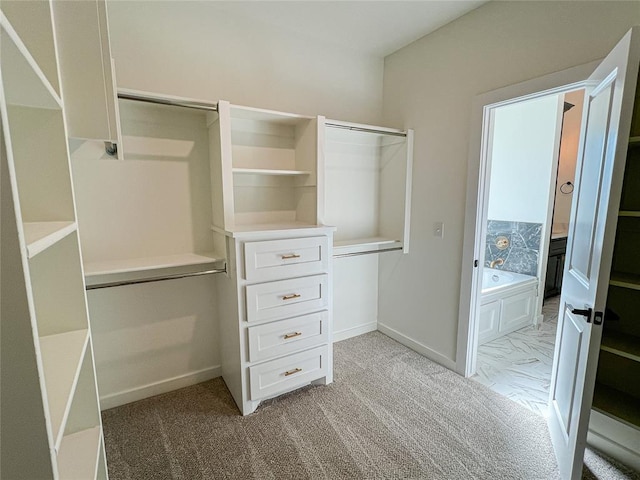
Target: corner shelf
<point x="621" y="405"/>
<point x="79" y="454"/>
<point x="41" y="235"/>
<point x="625" y="280"/>
<point x="25" y="83"/>
<point x="629" y="213"/>
<point x="623" y="345"/>
<point x="62" y="356"/>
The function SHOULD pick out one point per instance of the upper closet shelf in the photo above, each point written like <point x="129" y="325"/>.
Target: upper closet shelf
<point x="629" y="213"/>
<point x="147" y="268"/>
<point x="625" y="280"/>
<point x="635" y="141"/>
<point x="41" y="235"/>
<point x="24" y="82"/>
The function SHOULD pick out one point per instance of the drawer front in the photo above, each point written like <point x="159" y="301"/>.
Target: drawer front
<point x="287" y="336"/>
<point x="277" y="376"/>
<point x="286" y="298"/>
<point x="295" y="257"/>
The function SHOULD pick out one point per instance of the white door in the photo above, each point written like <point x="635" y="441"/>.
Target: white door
<point x="599" y="170"/>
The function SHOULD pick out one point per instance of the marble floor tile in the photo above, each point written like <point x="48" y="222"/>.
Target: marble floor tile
<point x="519" y="364"/>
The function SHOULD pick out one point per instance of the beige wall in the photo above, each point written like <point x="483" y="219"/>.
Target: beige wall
<point x="195" y="49"/>
<point x="429" y="86"/>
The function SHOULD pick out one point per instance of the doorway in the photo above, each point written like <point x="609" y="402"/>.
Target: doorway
<point x="531" y="158"/>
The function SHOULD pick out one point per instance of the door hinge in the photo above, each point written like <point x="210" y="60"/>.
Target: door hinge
<point x="475" y="263"/>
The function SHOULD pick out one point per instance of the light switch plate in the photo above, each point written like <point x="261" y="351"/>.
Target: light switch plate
<point x="438" y="229"/>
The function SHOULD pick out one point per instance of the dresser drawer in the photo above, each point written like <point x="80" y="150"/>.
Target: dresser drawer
<point x="294" y="257"/>
<point x="287" y="336"/>
<point x="287" y="298"/>
<point x="277" y="376"/>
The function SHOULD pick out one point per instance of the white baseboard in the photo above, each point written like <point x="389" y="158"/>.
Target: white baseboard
<point x="418" y="347"/>
<point x="156" y="388"/>
<point x="614" y="438"/>
<point x="354" y="331"/>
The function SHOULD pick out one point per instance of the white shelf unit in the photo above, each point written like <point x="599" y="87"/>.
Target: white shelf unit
<point x="88" y="85"/>
<point x="616" y="394"/>
<point x="46" y="350"/>
<point x="158" y="223"/>
<point x="367" y="172"/>
<point x="265" y="168"/>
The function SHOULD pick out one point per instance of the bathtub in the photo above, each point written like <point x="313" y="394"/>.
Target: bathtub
<point x="507" y="303"/>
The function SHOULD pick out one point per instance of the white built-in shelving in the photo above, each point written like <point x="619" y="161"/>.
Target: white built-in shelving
<point x="46" y="353"/>
<point x="159" y="222"/>
<point x="264" y="165"/>
<point x="367" y="172"/>
<point x="619" y="359"/>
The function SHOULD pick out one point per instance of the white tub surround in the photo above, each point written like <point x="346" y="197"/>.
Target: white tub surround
<point x="507" y="303"/>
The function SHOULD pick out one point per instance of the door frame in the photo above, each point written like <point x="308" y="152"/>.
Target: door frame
<point x="477" y="194"/>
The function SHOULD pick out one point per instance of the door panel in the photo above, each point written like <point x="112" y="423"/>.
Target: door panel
<point x="598" y="113"/>
<point x="599" y="172"/>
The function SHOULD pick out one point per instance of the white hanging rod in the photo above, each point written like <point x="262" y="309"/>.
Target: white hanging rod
<point x="368" y="252"/>
<point x="176" y="102"/>
<point x="365" y="129"/>
<point x="155" y="279"/>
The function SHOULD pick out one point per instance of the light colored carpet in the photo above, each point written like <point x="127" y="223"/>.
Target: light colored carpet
<point x="390" y="413"/>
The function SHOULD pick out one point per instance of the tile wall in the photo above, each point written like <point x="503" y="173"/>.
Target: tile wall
<point x="523" y="251"/>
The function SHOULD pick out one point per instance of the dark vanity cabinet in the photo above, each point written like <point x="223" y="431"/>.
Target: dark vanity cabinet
<point x="555" y="267"/>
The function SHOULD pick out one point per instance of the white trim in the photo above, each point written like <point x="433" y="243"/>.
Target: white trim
<point x="354" y="331"/>
<point x="555" y="83"/>
<point x="615" y="439"/>
<point x="417" y="347"/>
<point x="156" y="388"/>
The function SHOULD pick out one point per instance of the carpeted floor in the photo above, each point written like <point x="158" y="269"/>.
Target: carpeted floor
<point x="390" y="413"/>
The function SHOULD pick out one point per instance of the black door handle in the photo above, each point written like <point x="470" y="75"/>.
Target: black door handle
<point x="586" y="312"/>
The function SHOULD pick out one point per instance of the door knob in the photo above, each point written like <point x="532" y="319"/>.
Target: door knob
<point x="585" y="312"/>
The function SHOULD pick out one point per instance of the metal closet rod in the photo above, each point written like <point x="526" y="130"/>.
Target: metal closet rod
<point x="364" y="129"/>
<point x="167" y="101"/>
<point x="368" y="252"/>
<point x="155" y="279"/>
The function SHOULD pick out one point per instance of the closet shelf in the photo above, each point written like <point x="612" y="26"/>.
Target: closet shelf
<point x="62" y="357"/>
<point x="265" y="171"/>
<point x="634" y="141"/>
<point x="129" y="265"/>
<point x="258" y="228"/>
<point x="358" y="245"/>
<point x="621" y="405"/>
<point x="141" y="269"/>
<point x="629" y="213"/>
<point x="625" y="280"/>
<point x="627" y="346"/>
<point x="41" y="235"/>
<point x="25" y="83"/>
<point x="79" y="453"/>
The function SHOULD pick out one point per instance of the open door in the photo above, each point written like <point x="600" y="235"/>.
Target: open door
<point x="599" y="171"/>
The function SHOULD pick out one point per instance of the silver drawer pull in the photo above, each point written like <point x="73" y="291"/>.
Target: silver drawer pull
<point x="292" y="335"/>
<point x="289" y="256"/>
<point x="291" y="296"/>
<point x="291" y="372"/>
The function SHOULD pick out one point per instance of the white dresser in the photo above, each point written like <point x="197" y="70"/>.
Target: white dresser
<point x="276" y="320"/>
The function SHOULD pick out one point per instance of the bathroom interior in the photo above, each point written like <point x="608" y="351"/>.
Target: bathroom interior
<point x="530" y="184"/>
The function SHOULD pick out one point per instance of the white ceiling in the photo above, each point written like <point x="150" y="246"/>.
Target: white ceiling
<point x="370" y="27"/>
